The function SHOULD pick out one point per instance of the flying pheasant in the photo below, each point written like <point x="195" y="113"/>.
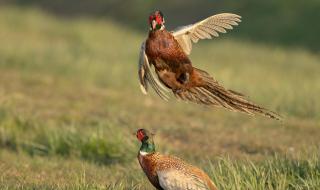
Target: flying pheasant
<point x="167" y="172"/>
<point x="168" y="53"/>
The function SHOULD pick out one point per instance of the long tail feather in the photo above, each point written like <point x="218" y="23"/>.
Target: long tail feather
<point x="213" y="94"/>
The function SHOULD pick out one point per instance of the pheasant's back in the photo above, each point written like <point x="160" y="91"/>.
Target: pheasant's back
<point x="176" y="174"/>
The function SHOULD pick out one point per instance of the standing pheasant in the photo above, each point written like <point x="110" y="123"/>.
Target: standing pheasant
<point x="167" y="172"/>
<point x="168" y="53"/>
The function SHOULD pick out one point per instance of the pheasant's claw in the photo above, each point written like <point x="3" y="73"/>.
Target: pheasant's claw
<point x="187" y="77"/>
<point x="184" y="78"/>
<point x="178" y="91"/>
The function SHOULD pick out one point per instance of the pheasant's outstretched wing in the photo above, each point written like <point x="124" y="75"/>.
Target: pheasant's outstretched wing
<point x="205" y="29"/>
<point x="171" y="179"/>
<point x="146" y="76"/>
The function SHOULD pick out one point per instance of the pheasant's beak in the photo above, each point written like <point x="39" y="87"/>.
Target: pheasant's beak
<point x="154" y="24"/>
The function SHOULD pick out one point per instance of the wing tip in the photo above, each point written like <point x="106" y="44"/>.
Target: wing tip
<point x="143" y="89"/>
<point x="235" y="16"/>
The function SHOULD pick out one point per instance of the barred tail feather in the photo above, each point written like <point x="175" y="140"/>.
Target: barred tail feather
<point x="213" y="94"/>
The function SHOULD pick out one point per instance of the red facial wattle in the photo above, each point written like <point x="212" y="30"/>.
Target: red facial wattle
<point x="158" y="19"/>
<point x="150" y="19"/>
<point x="140" y="135"/>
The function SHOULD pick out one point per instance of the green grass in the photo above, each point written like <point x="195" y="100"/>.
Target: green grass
<point x="70" y="102"/>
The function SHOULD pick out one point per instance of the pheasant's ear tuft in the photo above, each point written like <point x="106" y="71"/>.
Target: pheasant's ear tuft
<point x="161" y="14"/>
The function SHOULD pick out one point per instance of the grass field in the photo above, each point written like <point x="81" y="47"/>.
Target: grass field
<point x="70" y="102"/>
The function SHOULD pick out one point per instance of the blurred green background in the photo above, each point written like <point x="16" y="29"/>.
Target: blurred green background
<point x="293" y="23"/>
<point x="70" y="98"/>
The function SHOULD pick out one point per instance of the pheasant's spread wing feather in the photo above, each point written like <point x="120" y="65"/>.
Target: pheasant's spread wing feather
<point x="171" y="179"/>
<point x="146" y="76"/>
<point x="205" y="29"/>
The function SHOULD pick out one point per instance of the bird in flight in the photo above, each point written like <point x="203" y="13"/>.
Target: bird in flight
<point x="168" y="172"/>
<point x="173" y="70"/>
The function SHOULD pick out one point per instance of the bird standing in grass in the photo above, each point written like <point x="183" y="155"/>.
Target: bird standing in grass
<point x="167" y="172"/>
<point x="168" y="53"/>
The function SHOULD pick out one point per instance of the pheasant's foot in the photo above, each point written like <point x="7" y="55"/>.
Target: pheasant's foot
<point x="178" y="91"/>
<point x="184" y="78"/>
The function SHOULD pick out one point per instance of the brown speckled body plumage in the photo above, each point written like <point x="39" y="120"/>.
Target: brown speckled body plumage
<point x="149" y="165"/>
<point x="165" y="53"/>
<point x="155" y="163"/>
<point x="161" y="45"/>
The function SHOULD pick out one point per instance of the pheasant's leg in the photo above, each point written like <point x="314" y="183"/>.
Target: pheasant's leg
<point x="170" y="80"/>
<point x="183" y="74"/>
<point x="184" y="78"/>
